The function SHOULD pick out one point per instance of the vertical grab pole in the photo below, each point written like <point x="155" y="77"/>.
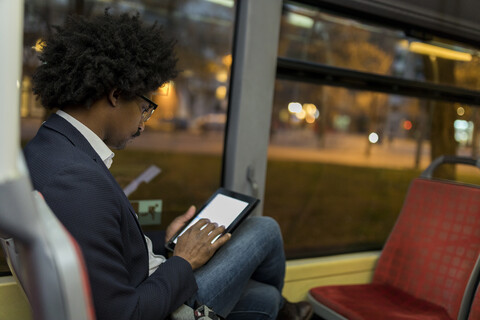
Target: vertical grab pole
<point x="11" y="38"/>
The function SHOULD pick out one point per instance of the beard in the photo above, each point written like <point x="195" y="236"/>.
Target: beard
<point x="122" y="144"/>
<point x="137" y="134"/>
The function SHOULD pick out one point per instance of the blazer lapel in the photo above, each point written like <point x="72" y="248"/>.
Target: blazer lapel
<point x="63" y="127"/>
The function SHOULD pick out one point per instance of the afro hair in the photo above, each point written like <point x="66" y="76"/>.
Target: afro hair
<point x="86" y="58"/>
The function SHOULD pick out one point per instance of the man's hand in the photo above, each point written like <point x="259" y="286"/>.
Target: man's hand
<point x="178" y="223"/>
<point x="195" y="245"/>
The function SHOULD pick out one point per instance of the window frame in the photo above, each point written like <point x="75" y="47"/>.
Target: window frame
<point x="251" y="97"/>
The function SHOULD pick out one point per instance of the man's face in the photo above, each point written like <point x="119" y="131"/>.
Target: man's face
<point x="126" y="122"/>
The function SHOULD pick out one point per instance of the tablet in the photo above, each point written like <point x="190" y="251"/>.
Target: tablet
<point x="225" y="207"/>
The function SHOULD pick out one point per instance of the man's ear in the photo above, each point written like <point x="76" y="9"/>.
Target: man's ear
<point x="113" y="97"/>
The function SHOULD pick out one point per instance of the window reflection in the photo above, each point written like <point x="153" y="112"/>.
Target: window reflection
<point x="316" y="36"/>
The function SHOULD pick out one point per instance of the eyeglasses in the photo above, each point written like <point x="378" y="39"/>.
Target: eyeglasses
<point x="147" y="113"/>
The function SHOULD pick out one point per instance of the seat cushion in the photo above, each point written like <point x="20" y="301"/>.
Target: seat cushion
<point x="376" y="301"/>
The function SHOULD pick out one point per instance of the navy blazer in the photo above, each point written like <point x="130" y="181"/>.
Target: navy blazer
<point x="86" y="198"/>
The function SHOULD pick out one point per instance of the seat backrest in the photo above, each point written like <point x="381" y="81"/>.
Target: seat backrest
<point x="432" y="249"/>
<point x="45" y="259"/>
<point x="475" y="309"/>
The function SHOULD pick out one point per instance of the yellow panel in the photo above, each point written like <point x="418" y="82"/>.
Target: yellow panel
<point x="305" y="274"/>
<point x="13" y="303"/>
<point x="301" y="275"/>
<point x="297" y="290"/>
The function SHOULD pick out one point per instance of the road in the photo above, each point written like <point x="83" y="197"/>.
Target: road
<point x="300" y="146"/>
<point x="289" y="145"/>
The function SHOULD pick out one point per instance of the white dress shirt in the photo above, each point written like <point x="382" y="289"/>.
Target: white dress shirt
<point x="154" y="260"/>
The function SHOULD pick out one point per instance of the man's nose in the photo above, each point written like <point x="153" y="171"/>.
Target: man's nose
<point x="141" y="126"/>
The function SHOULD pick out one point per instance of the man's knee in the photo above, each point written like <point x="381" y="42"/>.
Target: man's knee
<point x="264" y="224"/>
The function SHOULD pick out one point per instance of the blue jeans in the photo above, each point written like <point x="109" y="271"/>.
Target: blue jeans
<point x="244" y="279"/>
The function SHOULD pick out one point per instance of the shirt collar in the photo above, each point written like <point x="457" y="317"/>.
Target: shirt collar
<point x="97" y="144"/>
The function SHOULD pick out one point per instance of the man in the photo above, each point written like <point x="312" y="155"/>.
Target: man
<point x="100" y="74"/>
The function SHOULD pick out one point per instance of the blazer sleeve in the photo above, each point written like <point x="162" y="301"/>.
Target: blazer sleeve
<point x="88" y="204"/>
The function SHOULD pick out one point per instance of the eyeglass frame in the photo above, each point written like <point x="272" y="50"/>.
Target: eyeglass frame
<point x="151" y="108"/>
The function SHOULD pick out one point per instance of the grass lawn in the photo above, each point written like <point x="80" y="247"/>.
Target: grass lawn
<point x="321" y="208"/>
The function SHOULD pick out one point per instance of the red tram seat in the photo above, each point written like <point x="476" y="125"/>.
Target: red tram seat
<point x="427" y="269"/>
<point x="44" y="258"/>
<point x="475" y="309"/>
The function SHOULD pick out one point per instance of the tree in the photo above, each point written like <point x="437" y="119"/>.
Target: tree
<point x="442" y="115"/>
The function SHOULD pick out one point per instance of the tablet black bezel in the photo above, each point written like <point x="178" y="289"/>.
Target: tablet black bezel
<point x="252" y="203"/>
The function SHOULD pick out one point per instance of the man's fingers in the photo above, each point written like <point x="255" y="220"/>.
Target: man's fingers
<point x="200" y="224"/>
<point x="179" y="222"/>
<point x="216" y="231"/>
<point x="189" y="214"/>
<point x="184" y="218"/>
<point x="207" y="230"/>
<point x="221" y="241"/>
<point x="200" y="242"/>
<point x="215" y="236"/>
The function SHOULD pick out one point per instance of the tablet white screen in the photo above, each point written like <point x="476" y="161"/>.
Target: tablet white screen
<point x="222" y="209"/>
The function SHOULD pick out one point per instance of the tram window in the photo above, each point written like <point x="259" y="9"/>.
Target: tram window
<point x="313" y="35"/>
<point x="186" y="132"/>
<point x="340" y="161"/>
